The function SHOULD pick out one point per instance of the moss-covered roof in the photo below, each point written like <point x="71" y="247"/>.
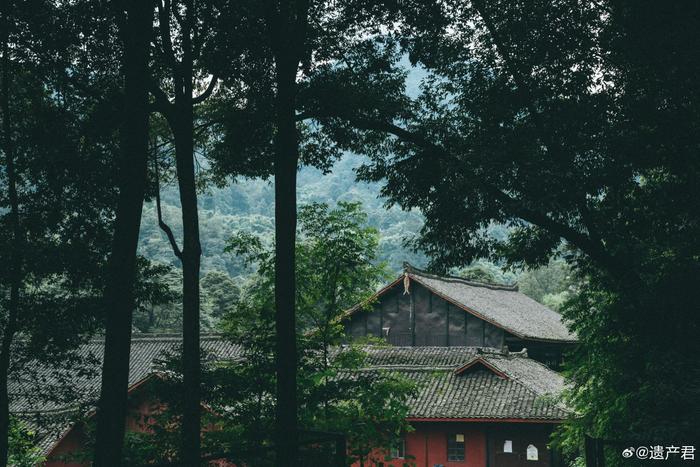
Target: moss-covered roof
<point x="501" y="305"/>
<point x="507" y="386"/>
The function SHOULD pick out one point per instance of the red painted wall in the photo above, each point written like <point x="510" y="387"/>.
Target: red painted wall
<point x="71" y="443"/>
<point x="428" y="445"/>
<point x="141" y="410"/>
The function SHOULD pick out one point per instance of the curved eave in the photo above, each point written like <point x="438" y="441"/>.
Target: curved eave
<point x="92" y="412"/>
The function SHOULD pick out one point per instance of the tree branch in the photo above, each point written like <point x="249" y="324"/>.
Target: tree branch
<point x="207" y="92"/>
<point x="120" y="20"/>
<point x="178" y="17"/>
<point x="591" y="247"/>
<point x="300" y="27"/>
<point x="518" y="76"/>
<point x="162" y="104"/>
<point x="164" y="8"/>
<point x="163" y="226"/>
<point x="522" y="82"/>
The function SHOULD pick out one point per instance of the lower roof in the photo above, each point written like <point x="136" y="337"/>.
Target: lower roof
<point x="505" y="386"/>
<point x="453" y="383"/>
<point x="27" y="388"/>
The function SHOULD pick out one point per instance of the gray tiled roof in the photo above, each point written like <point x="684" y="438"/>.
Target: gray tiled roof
<point x="503" y="306"/>
<point x="49" y="418"/>
<point x="481" y="394"/>
<point x="48" y="430"/>
<point x="528" y="392"/>
<point x="146" y="350"/>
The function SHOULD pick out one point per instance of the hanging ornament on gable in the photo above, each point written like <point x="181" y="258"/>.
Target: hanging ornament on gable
<point x="406" y="283"/>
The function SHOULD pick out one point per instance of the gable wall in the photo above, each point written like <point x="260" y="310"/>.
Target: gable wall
<point x="421" y="318"/>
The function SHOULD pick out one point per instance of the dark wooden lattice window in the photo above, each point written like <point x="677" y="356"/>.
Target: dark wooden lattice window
<point x="455" y="447"/>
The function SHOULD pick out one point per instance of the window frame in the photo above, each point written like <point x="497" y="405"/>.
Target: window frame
<point x="452" y="452"/>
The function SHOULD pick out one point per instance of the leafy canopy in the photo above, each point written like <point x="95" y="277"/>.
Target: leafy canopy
<point x="335" y="259"/>
<point x="574" y="124"/>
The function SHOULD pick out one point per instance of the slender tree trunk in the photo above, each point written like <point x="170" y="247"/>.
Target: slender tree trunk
<point x="287" y="22"/>
<point x="10" y="328"/>
<point x="330" y="311"/>
<point x="119" y="288"/>
<point x="180" y="116"/>
<point x="191" y="253"/>
<point x="286" y="159"/>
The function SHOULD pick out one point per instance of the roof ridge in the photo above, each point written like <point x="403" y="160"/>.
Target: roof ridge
<point x="526" y="386"/>
<point x="62" y="410"/>
<point x="409" y="367"/>
<point x="408" y="268"/>
<point x="163" y="336"/>
<point x="446" y="348"/>
<point x="523" y="353"/>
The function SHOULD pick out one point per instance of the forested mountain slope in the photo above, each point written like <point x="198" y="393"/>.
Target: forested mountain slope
<point x="248" y="205"/>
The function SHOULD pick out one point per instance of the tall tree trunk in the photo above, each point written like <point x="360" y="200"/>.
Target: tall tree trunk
<point x="287" y="22"/>
<point x="286" y="159"/>
<point x="119" y="287"/>
<point x="10" y="328"/>
<point x="191" y="253"/>
<point x="180" y="117"/>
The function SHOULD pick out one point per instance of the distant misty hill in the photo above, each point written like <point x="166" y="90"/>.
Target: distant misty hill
<point x="248" y="205"/>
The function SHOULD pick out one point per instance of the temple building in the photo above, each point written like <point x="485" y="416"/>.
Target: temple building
<point x="481" y="355"/>
<point x="484" y="357"/>
<point x="421" y="309"/>
<point x="475" y="407"/>
<point x="60" y="424"/>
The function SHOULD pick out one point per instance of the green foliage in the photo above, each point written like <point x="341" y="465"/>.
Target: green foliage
<point x="487" y="272"/>
<point x="66" y="195"/>
<point x="61" y="136"/>
<point x="555" y="136"/>
<point x="248" y="206"/>
<point x="572" y="124"/>
<point x="160" y="287"/>
<point x="336" y="264"/>
<point x="23" y="452"/>
<point x="336" y="268"/>
<point x="219" y="295"/>
<point x="156" y="296"/>
<point x="618" y="394"/>
<point x="551" y="285"/>
<point x="369" y="407"/>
